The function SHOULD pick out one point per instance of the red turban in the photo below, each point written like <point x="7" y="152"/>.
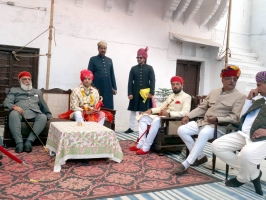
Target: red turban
<point x="24" y="73"/>
<point x="85" y="73"/>
<point x="177" y="79"/>
<point x="143" y="52"/>
<point x="231" y="70"/>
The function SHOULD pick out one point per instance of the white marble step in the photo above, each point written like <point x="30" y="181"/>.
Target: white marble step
<point x="244" y="56"/>
<point x="251" y="63"/>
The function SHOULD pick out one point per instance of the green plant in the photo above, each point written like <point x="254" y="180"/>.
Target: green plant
<point x="162" y="93"/>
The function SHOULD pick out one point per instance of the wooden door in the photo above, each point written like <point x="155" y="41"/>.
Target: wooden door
<point x="190" y="71"/>
<point x="10" y="68"/>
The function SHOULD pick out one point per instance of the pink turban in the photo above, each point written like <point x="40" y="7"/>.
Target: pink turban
<point x="261" y="76"/>
<point x="177" y="79"/>
<point x="85" y="73"/>
<point x="143" y="52"/>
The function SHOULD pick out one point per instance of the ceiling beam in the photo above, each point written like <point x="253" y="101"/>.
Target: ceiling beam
<point x="170" y="7"/>
<point x="109" y="5"/>
<point x="223" y="8"/>
<point x="79" y="3"/>
<point x="131" y="6"/>
<point x="192" y="9"/>
<point x="208" y="10"/>
<point x="180" y="9"/>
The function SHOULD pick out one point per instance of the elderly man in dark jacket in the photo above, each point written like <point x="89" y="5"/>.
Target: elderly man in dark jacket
<point x="28" y="102"/>
<point x="251" y="139"/>
<point x="141" y="76"/>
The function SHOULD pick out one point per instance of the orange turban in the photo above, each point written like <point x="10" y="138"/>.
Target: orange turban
<point x="24" y="73"/>
<point x="85" y="73"/>
<point x="177" y="79"/>
<point x="230" y="70"/>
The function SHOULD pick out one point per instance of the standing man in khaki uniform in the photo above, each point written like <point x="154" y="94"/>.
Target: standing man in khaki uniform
<point x="221" y="105"/>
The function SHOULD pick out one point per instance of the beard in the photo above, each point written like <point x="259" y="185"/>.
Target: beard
<point x="177" y="91"/>
<point x="25" y="87"/>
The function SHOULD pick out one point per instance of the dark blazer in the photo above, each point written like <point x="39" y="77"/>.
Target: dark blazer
<point x="104" y="78"/>
<point x="30" y="101"/>
<point x="140" y="77"/>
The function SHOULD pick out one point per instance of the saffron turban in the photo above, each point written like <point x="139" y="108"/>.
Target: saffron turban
<point x="24" y="73"/>
<point x="143" y="52"/>
<point x="177" y="79"/>
<point x="86" y="73"/>
<point x="102" y="43"/>
<point x="230" y="70"/>
<point x="261" y="76"/>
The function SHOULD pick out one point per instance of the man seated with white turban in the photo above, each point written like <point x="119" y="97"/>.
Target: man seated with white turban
<point x="26" y="101"/>
<point x="221" y="105"/>
<point x="251" y="139"/>
<point x="176" y="105"/>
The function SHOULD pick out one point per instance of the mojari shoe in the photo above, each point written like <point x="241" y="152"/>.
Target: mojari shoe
<point x="129" y="131"/>
<point x="180" y="170"/>
<point x="200" y="161"/>
<point x="133" y="148"/>
<point x="233" y="183"/>
<point x="141" y="152"/>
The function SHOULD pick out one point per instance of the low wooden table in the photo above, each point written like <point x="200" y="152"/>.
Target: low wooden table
<point x="91" y="140"/>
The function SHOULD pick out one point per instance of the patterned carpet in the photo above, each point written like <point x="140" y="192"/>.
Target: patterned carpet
<point x="91" y="179"/>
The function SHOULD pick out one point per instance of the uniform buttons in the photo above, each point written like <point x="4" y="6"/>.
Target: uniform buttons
<point x="140" y="78"/>
<point x="28" y="97"/>
<point x="103" y="65"/>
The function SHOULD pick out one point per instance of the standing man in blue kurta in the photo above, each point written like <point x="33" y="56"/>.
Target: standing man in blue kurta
<point x="141" y="76"/>
<point x="104" y="76"/>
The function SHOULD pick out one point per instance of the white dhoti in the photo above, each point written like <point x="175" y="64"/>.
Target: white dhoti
<point x="204" y="133"/>
<point x="251" y="154"/>
<point x="147" y="140"/>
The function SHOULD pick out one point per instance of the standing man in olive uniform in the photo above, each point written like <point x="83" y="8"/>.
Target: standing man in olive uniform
<point x="104" y="76"/>
<point x="141" y="76"/>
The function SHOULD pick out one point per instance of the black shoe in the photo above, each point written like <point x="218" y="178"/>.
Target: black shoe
<point x="233" y="183"/>
<point x="27" y="147"/>
<point x="19" y="148"/>
<point x="1" y="156"/>
<point x="257" y="185"/>
<point x="129" y="131"/>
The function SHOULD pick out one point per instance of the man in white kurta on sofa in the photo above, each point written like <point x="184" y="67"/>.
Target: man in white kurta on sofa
<point x="221" y="105"/>
<point x="251" y="139"/>
<point x="176" y="105"/>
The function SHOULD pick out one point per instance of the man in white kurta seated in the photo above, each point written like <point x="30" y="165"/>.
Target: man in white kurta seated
<point x="251" y="139"/>
<point x="176" y="105"/>
<point x="85" y="101"/>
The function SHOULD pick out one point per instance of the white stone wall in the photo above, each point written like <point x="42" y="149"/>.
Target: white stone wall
<point x="258" y="29"/>
<point x="78" y="29"/>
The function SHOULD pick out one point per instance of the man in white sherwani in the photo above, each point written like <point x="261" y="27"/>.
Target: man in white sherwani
<point x="251" y="139"/>
<point x="176" y="105"/>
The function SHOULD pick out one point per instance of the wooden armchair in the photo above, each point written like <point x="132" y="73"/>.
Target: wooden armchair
<point x="58" y="101"/>
<point x="167" y="137"/>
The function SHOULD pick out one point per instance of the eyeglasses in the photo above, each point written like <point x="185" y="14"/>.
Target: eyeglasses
<point x="228" y="78"/>
<point x="139" y="57"/>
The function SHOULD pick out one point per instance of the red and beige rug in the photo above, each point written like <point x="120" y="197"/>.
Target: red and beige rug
<point x="91" y="179"/>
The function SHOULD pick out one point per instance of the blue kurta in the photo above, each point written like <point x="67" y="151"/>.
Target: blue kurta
<point x="104" y="78"/>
